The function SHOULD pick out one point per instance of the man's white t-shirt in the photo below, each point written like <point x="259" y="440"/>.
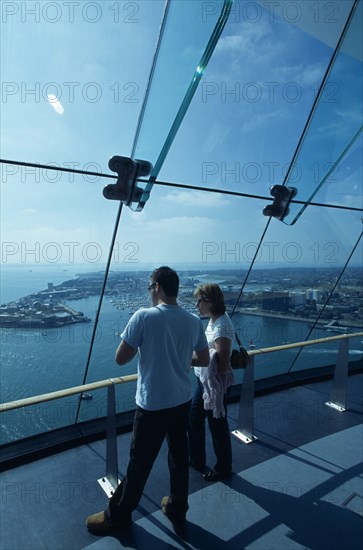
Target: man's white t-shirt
<point x="165" y="336"/>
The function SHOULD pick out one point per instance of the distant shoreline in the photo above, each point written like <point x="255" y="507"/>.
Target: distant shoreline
<point x="318" y="324"/>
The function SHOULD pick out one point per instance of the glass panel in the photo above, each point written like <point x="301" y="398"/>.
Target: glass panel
<point x="126" y="291"/>
<point x="344" y="185"/>
<point x="291" y="296"/>
<point x="47" y="310"/>
<point x="214" y="251"/>
<point x="294" y="270"/>
<point x="245" y="121"/>
<point x="337" y="121"/>
<point x="239" y="134"/>
<point x="181" y="60"/>
<point x="74" y="109"/>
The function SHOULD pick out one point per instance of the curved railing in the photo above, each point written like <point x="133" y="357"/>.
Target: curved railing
<point x="35" y="400"/>
<point x="11" y="405"/>
<point x="244" y="431"/>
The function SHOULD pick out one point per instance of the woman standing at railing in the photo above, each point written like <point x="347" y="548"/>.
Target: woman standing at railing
<point x="210" y="391"/>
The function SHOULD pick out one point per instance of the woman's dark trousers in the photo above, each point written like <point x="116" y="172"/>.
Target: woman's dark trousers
<point x="219" y="429"/>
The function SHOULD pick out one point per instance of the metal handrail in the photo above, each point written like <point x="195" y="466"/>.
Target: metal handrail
<point x="27" y="401"/>
<point x="11" y="405"/>
<point x="305" y="343"/>
<point x="338" y="394"/>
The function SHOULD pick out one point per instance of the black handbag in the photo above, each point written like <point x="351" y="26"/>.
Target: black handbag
<point x="239" y="358"/>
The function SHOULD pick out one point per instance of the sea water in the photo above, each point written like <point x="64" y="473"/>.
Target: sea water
<point x="37" y="361"/>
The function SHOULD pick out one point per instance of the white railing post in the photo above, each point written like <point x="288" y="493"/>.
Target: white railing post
<point x="338" y="394"/>
<point x="110" y="481"/>
<point x="244" y="430"/>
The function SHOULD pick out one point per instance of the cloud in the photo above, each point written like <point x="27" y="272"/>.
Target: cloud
<point x="262" y="119"/>
<point x="244" y="42"/>
<point x="178" y="225"/>
<point x="310" y="74"/>
<point x="30" y="211"/>
<point x="197" y="199"/>
<point x="169" y="239"/>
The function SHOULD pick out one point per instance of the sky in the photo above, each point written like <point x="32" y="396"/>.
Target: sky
<point x="73" y="81"/>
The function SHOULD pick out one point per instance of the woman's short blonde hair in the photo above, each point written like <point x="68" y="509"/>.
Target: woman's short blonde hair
<point x="213" y="293"/>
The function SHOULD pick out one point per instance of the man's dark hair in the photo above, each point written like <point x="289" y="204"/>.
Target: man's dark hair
<point x="168" y="279"/>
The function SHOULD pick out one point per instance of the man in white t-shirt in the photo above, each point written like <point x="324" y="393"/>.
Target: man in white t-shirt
<point x="165" y="337"/>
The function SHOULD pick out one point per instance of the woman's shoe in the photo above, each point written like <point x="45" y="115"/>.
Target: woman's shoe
<point x="199" y="467"/>
<point x="212" y="475"/>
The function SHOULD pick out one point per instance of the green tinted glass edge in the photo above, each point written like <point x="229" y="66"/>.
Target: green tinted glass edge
<point x="213" y="40"/>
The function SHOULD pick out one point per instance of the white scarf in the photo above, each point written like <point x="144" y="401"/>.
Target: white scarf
<point x="215" y="385"/>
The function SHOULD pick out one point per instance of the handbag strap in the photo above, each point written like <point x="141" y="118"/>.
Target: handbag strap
<point x="238" y="340"/>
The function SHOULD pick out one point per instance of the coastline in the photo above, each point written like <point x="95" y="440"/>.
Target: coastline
<point x="319" y="324"/>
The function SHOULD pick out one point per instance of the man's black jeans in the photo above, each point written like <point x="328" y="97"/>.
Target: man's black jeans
<point x="150" y="429"/>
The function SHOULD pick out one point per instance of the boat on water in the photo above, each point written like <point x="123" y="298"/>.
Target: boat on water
<point x="334" y="326"/>
<point x="86" y="396"/>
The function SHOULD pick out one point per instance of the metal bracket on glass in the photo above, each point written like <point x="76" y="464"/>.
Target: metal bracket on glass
<point x="110" y="481"/>
<point x="128" y="171"/>
<point x="282" y="197"/>
<point x="338" y="394"/>
<point x="244" y="431"/>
